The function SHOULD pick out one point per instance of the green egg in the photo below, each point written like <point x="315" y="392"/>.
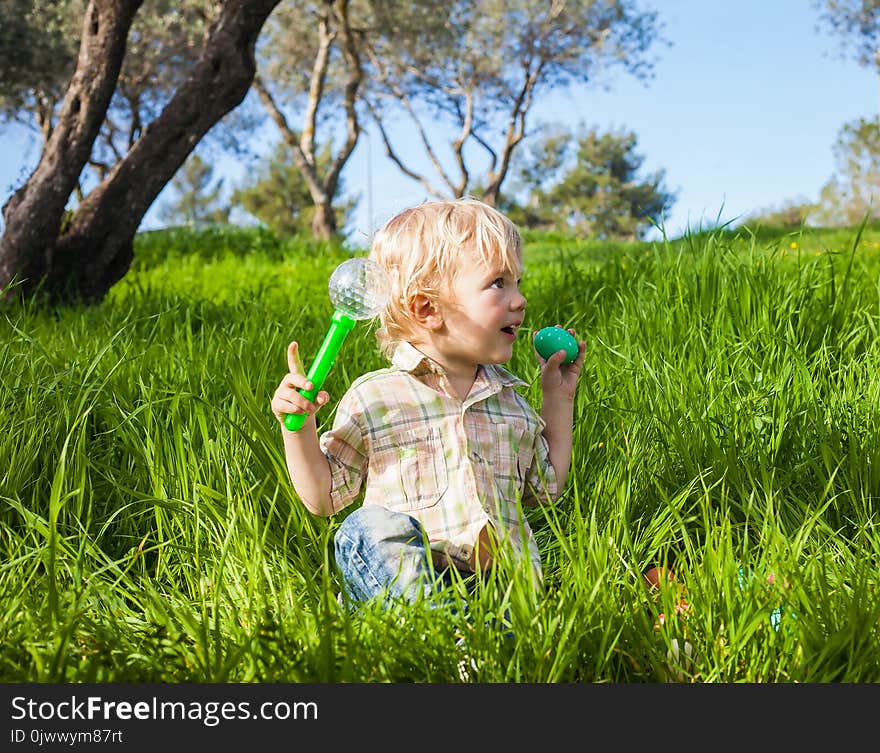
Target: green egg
<point x="551" y="339"/>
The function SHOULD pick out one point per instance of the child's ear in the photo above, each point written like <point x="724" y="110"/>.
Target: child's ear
<point x="425" y="312"/>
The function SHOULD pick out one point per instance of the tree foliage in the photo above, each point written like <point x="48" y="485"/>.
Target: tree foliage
<point x="856" y="24"/>
<point x="854" y="190"/>
<point x="477" y="69"/>
<point x="589" y="184"/>
<point x="318" y="72"/>
<point x="198" y="199"/>
<point x="40" y="57"/>
<point x="279" y="196"/>
<point x="790" y="214"/>
<point x="80" y="258"/>
<point x="850" y="195"/>
<point x="38" y="46"/>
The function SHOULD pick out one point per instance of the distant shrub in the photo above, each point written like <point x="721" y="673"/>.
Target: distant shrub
<point x="213" y="242"/>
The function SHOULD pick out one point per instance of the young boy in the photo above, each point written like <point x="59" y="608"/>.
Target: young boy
<point x="442" y="444"/>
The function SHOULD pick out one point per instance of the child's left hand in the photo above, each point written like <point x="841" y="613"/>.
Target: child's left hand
<point x="557" y="377"/>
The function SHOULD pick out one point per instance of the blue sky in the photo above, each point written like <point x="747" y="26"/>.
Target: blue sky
<point x="742" y="114"/>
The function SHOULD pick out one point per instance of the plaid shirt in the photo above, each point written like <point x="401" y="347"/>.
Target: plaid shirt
<point x="454" y="465"/>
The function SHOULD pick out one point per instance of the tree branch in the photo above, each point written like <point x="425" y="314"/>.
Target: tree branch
<point x="316" y="83"/>
<point x="352" y="84"/>
<point x="458" y="144"/>
<point x="516" y="129"/>
<point x="33" y="213"/>
<point x="304" y="165"/>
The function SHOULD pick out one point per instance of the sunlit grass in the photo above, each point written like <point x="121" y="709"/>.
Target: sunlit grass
<point x="727" y="419"/>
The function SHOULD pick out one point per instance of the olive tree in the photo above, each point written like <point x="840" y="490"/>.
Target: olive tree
<point x="38" y="44"/>
<point x="856" y="24"/>
<point x="40" y="54"/>
<point x="478" y="69"/>
<point x="78" y="256"/>
<point x="853" y="192"/>
<point x="310" y="63"/>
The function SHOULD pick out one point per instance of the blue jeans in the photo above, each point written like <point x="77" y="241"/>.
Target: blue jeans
<point x="383" y="553"/>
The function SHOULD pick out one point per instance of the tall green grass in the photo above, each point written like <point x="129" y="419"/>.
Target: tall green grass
<point x="726" y="420"/>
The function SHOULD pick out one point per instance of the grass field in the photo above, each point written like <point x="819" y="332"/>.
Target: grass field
<point x="727" y="419"/>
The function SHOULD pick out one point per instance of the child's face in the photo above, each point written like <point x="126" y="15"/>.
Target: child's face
<point x="482" y="314"/>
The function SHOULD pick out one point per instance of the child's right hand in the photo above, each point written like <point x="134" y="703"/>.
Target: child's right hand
<point x="287" y="398"/>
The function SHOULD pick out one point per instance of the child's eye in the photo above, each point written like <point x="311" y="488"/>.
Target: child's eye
<point x="498" y="282"/>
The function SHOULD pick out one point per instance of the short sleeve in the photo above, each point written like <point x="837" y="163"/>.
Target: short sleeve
<point x="344" y="448"/>
<point x="541" y="485"/>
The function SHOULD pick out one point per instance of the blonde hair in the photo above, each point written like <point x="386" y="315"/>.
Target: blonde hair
<point x="424" y="247"/>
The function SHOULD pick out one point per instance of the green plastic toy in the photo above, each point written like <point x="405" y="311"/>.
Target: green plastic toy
<point x="359" y="289"/>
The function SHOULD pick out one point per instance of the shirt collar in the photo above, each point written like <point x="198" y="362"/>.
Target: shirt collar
<point x="407" y="357"/>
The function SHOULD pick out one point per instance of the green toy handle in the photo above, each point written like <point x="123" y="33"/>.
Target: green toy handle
<point x="340" y="326"/>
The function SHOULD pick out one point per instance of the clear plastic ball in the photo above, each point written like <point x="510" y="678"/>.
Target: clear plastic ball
<point x="359" y="288"/>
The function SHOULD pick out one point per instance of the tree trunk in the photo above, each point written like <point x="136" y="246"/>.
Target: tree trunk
<point x="34" y="213"/>
<point x="324" y="218"/>
<point x="95" y="250"/>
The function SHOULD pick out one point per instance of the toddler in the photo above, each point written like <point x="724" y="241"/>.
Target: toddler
<point x="441" y="445"/>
